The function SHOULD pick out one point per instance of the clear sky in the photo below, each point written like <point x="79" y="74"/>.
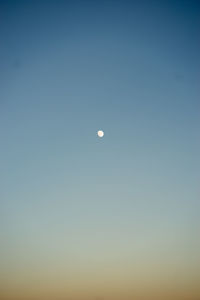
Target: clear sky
<point x="81" y="217"/>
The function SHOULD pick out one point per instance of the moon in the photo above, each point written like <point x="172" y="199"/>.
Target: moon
<point x="100" y="133"/>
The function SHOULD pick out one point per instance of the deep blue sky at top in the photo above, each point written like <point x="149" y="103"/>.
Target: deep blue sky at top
<point x="69" y="68"/>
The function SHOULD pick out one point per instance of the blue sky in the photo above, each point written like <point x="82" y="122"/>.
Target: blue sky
<point x="68" y="69"/>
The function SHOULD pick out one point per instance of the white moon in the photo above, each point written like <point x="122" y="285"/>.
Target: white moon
<point x="100" y="133"/>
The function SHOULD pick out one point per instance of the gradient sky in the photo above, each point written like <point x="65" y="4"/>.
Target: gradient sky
<point x="84" y="218"/>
